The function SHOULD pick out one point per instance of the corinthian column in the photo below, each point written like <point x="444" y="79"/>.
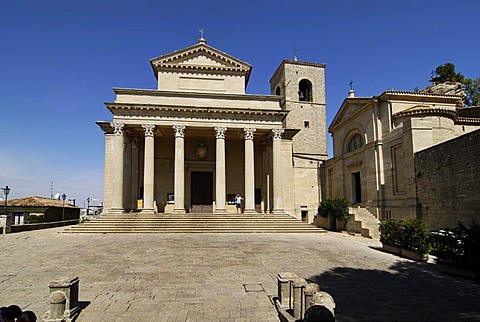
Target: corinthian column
<point x="117" y="179"/>
<point x="277" y="171"/>
<point x="249" y="171"/>
<point x="149" y="169"/>
<point x="179" y="179"/>
<point x="220" y="186"/>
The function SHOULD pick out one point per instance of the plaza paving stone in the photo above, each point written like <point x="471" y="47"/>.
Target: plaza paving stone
<point x="202" y="277"/>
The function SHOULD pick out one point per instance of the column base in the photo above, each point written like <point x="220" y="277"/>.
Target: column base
<point x="250" y="211"/>
<point x="221" y="211"/>
<point x="179" y="211"/>
<point x="147" y="211"/>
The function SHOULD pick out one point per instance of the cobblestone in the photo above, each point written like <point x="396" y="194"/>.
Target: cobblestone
<point x="201" y="277"/>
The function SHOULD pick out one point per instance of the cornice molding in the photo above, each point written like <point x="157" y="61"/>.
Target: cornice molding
<point x="152" y="92"/>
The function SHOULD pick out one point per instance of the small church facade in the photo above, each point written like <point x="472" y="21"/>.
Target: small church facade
<point x="198" y="140"/>
<point x="375" y="140"/>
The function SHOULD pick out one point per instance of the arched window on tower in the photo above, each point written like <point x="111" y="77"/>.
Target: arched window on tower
<point x="305" y="90"/>
<point x="277" y="91"/>
<point x="356" y="142"/>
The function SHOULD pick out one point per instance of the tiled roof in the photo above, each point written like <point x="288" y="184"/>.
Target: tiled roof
<point x="418" y="93"/>
<point x="35" y="201"/>
<point x="427" y="110"/>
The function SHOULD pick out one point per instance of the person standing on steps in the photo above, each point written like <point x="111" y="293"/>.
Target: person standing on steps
<point x="238" y="203"/>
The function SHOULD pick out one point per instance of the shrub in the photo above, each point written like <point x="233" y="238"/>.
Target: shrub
<point x="391" y="232"/>
<point x="337" y="209"/>
<point x="407" y="234"/>
<point x="458" y="246"/>
<point x="36" y="219"/>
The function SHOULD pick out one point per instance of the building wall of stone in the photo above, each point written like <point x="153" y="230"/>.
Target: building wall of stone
<point x="448" y="182"/>
<point x="308" y="117"/>
<point x="194" y="82"/>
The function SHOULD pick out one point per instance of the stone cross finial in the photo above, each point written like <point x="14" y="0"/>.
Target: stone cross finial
<point x="295" y="49"/>
<point x="201" y="33"/>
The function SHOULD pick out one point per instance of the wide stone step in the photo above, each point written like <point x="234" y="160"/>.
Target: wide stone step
<point x="194" y="223"/>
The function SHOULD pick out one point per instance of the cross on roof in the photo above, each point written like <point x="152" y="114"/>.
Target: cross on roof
<point x="295" y="49"/>
<point x="351" y="85"/>
<point x="201" y="32"/>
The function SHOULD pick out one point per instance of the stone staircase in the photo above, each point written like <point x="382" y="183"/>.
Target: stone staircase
<point x="363" y="222"/>
<point x="194" y="223"/>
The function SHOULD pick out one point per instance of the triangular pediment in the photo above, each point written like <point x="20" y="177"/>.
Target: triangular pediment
<point x="349" y="108"/>
<point x="200" y="56"/>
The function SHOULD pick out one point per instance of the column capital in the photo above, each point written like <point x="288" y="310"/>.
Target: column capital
<point x="277" y="133"/>
<point x="248" y="133"/>
<point x="149" y="129"/>
<point x="117" y="128"/>
<point x="179" y="131"/>
<point x="220" y="132"/>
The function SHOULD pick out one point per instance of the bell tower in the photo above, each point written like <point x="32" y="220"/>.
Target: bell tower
<point x="302" y="88"/>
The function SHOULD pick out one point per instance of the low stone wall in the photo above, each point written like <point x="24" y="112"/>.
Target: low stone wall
<point x="28" y="227"/>
<point x="448" y="182"/>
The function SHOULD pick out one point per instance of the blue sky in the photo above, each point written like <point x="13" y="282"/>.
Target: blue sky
<point x="60" y="59"/>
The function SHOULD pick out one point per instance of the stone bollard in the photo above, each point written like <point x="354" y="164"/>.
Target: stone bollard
<point x="322" y="308"/>
<point x="64" y="306"/>
<point x="310" y="289"/>
<point x="285" y="296"/>
<point x="298" y="286"/>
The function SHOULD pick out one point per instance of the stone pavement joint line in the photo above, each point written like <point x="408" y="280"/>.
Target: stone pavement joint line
<point x="204" y="277"/>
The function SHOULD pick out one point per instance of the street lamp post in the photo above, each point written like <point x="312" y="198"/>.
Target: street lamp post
<point x="88" y="204"/>
<point x="63" y="206"/>
<point x="6" y="190"/>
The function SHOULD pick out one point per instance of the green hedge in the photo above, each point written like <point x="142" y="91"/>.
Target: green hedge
<point x="459" y="246"/>
<point x="337" y="209"/>
<point x="36" y="219"/>
<point x="407" y="234"/>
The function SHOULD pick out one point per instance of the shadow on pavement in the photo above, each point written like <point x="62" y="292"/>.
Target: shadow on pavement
<point x="409" y="291"/>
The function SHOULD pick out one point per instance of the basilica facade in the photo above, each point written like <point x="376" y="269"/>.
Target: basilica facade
<point x="198" y="140"/>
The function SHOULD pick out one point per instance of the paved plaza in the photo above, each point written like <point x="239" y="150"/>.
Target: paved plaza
<point x="225" y="277"/>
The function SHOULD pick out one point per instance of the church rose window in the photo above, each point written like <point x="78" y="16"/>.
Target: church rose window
<point x="355" y="143"/>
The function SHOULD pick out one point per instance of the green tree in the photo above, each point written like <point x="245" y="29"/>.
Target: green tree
<point x="446" y="73"/>
<point x="472" y="90"/>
